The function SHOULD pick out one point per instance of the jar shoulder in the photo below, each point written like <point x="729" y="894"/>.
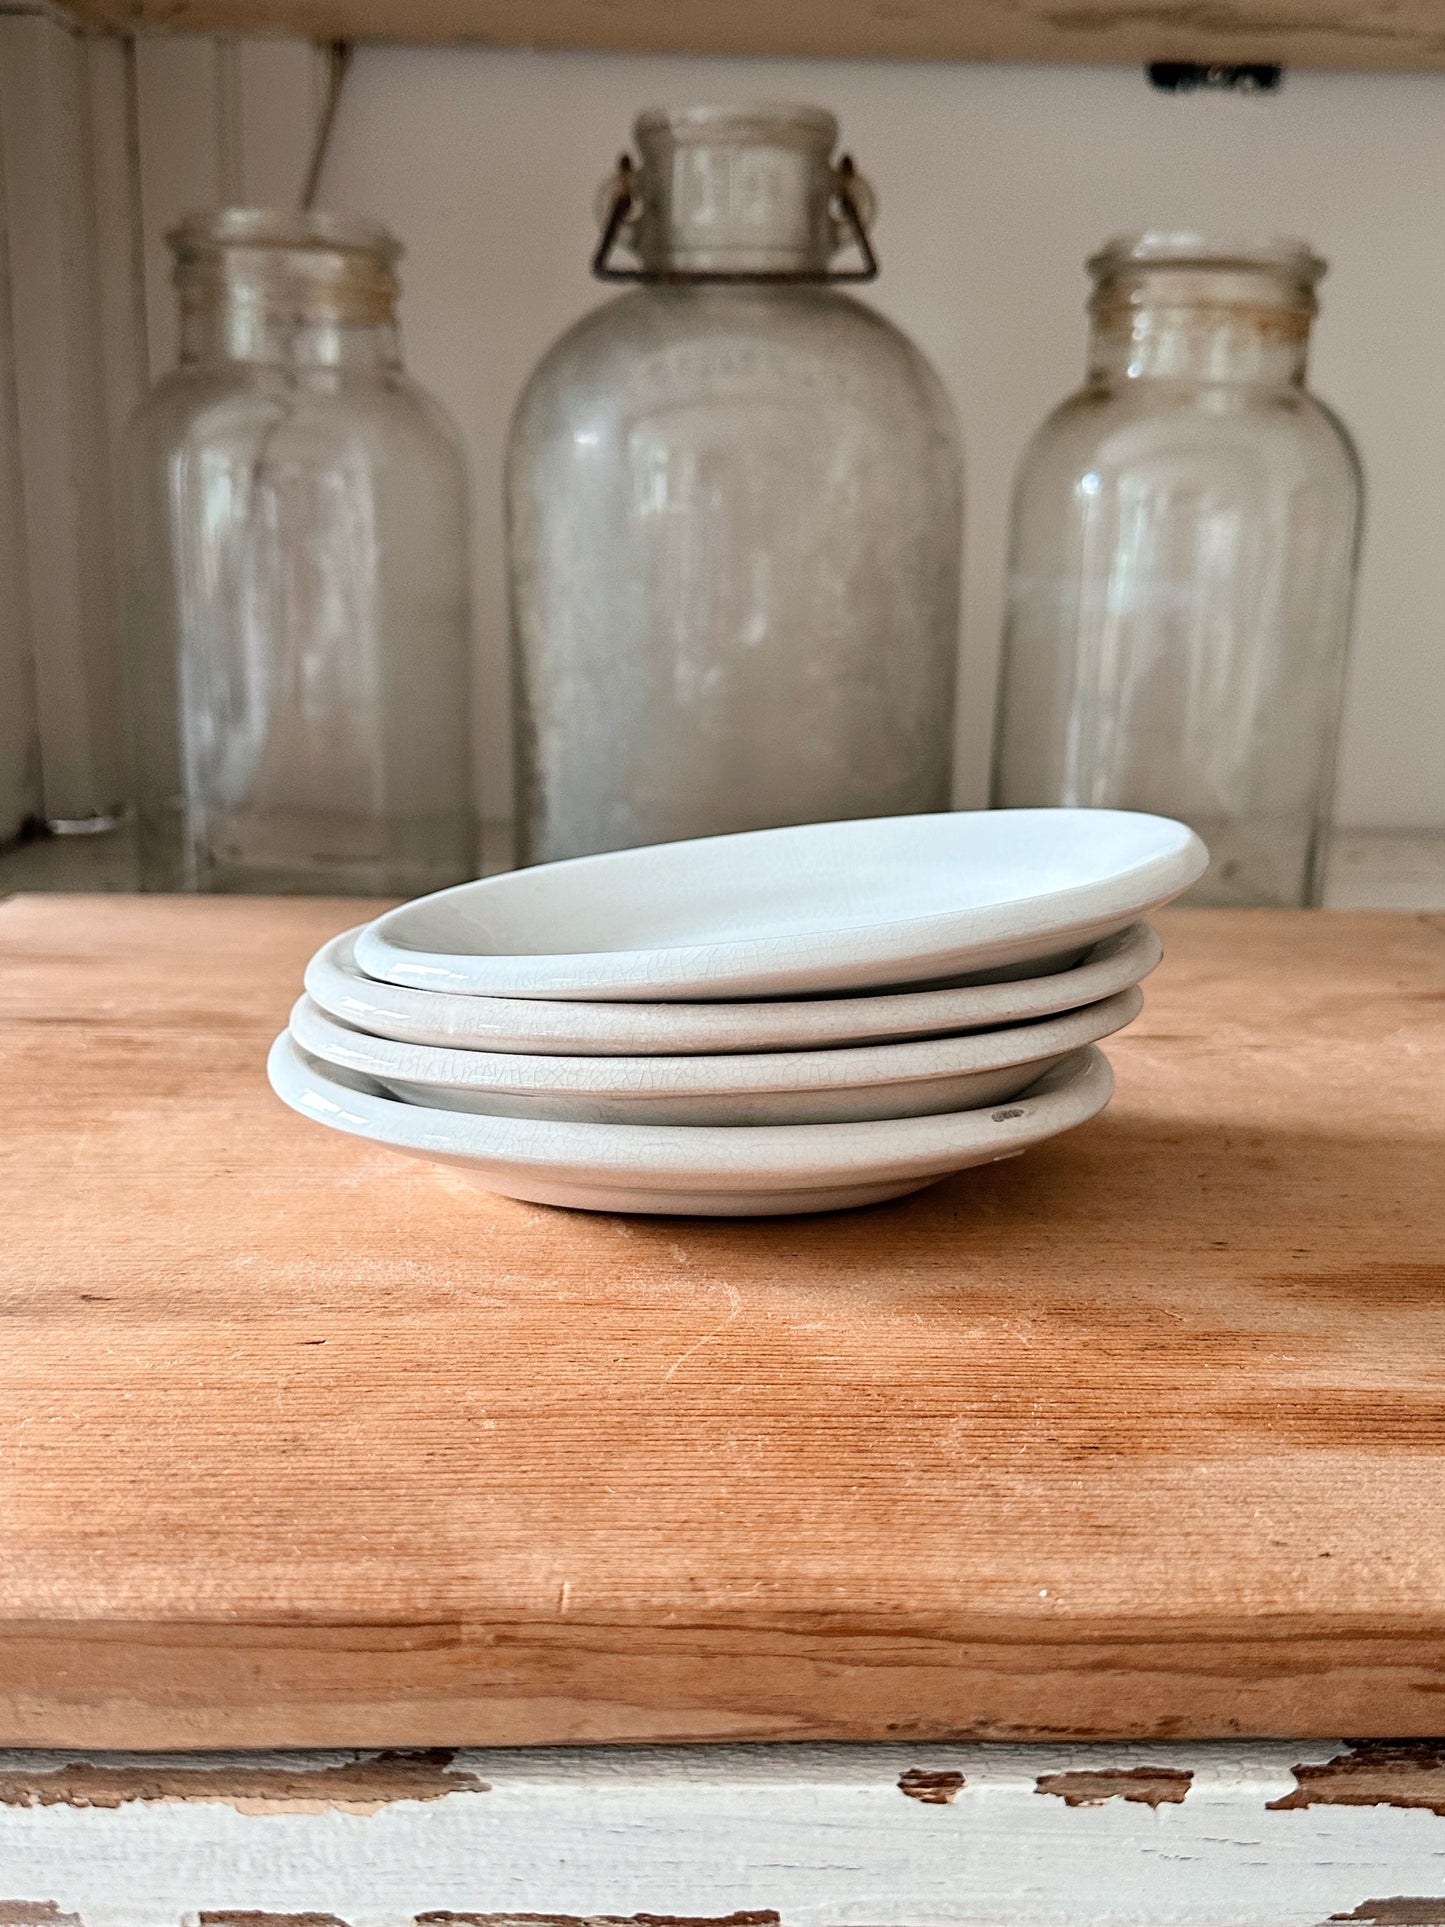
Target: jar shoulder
<point x="1119" y="428"/>
<point x="653" y="341"/>
<point x="233" y="404"/>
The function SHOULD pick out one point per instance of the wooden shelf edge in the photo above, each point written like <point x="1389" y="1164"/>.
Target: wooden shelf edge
<point x="1340" y="34"/>
<point x="153" y="1685"/>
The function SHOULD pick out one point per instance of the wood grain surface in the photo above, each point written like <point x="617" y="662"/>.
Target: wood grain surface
<point x="1299" y="33"/>
<point x="303" y="1443"/>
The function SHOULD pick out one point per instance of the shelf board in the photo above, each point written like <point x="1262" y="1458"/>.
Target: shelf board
<point x="1398" y="34"/>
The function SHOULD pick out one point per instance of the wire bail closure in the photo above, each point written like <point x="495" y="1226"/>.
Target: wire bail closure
<point x="846" y="205"/>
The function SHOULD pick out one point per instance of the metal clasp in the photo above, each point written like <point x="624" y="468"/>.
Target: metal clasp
<point x="849" y="206"/>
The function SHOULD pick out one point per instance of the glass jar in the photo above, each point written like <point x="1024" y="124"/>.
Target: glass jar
<point x="1184" y="540"/>
<point x="299" y="578"/>
<point x="733" y="515"/>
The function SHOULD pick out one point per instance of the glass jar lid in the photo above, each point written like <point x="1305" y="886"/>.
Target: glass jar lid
<point x="736" y="192"/>
<point x="756" y="123"/>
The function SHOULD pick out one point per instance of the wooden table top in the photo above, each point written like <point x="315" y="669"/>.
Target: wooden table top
<point x="304" y="1443"/>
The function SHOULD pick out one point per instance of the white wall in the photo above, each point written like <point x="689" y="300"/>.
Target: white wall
<point x="19" y="771"/>
<point x="75" y="368"/>
<point x="994" y="184"/>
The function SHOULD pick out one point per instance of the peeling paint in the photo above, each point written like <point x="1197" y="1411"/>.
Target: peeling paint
<point x="364" y="1785"/>
<point x="1149" y="1786"/>
<point x="250" y="1918"/>
<point x="1374" y="1773"/>
<point x="1404" y="1910"/>
<point x="721" y="1827"/>
<point x="933" y="1789"/>
<point x="762" y="1917"/>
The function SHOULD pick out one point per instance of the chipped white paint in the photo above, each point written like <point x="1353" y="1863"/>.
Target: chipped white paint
<point x="818" y="1835"/>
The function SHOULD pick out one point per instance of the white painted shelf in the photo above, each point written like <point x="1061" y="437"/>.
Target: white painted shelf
<point x="1278" y="1835"/>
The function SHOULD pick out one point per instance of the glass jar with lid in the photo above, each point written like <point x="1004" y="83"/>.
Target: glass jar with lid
<point x="734" y="513"/>
<point x="299" y="577"/>
<point x="1182" y="562"/>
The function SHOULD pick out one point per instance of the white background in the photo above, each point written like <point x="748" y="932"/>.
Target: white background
<point x="995" y="183"/>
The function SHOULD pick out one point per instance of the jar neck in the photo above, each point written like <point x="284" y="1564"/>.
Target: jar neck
<point x="243" y="333"/>
<point x="1187" y="344"/>
<point x="736" y="191"/>
<point x="1216" y="321"/>
<point x="312" y="290"/>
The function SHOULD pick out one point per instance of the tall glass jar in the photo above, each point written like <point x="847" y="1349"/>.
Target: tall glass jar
<point x="734" y="515"/>
<point x="1182" y="564"/>
<point x="299" y="577"/>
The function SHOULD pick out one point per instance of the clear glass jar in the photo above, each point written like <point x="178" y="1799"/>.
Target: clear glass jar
<point x="1184" y="541"/>
<point x="299" y="579"/>
<point x="734" y="518"/>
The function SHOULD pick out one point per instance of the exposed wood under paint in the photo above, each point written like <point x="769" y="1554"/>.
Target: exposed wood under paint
<point x="252" y="1917"/>
<point x="363" y="1785"/>
<point x="1406" y="1774"/>
<point x="1301" y="33"/>
<point x="1148" y="1786"/>
<point x="933" y="1789"/>
<point x="1400" y="1910"/>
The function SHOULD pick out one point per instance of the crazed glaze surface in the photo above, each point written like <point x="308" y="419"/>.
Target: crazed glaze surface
<point x="817" y="907"/>
<point x="545" y="1026"/>
<point x="771" y="1087"/>
<point x="727" y="1172"/>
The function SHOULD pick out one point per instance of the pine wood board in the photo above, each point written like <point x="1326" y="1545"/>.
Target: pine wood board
<point x="301" y="1443"/>
<point x="1380" y="34"/>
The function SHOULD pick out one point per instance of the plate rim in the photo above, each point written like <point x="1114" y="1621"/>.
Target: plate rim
<point x="582" y="1027"/>
<point x="715" y="1074"/>
<point x="1067" y="1095"/>
<point x="834" y="957"/>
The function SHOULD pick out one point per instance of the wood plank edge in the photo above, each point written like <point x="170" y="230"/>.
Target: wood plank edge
<point x="1087" y="34"/>
<point x="149" y="1685"/>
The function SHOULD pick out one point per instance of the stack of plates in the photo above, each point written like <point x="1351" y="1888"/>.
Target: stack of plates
<point x="785" y="1020"/>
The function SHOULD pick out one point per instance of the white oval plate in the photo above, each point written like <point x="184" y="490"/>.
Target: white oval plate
<point x="537" y="1026"/>
<point x="818" y="907"/>
<point x="778" y="1087"/>
<point x="681" y="1169"/>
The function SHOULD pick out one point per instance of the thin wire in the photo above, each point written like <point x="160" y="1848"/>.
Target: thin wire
<point x="338" y="56"/>
<point x="231" y="138"/>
